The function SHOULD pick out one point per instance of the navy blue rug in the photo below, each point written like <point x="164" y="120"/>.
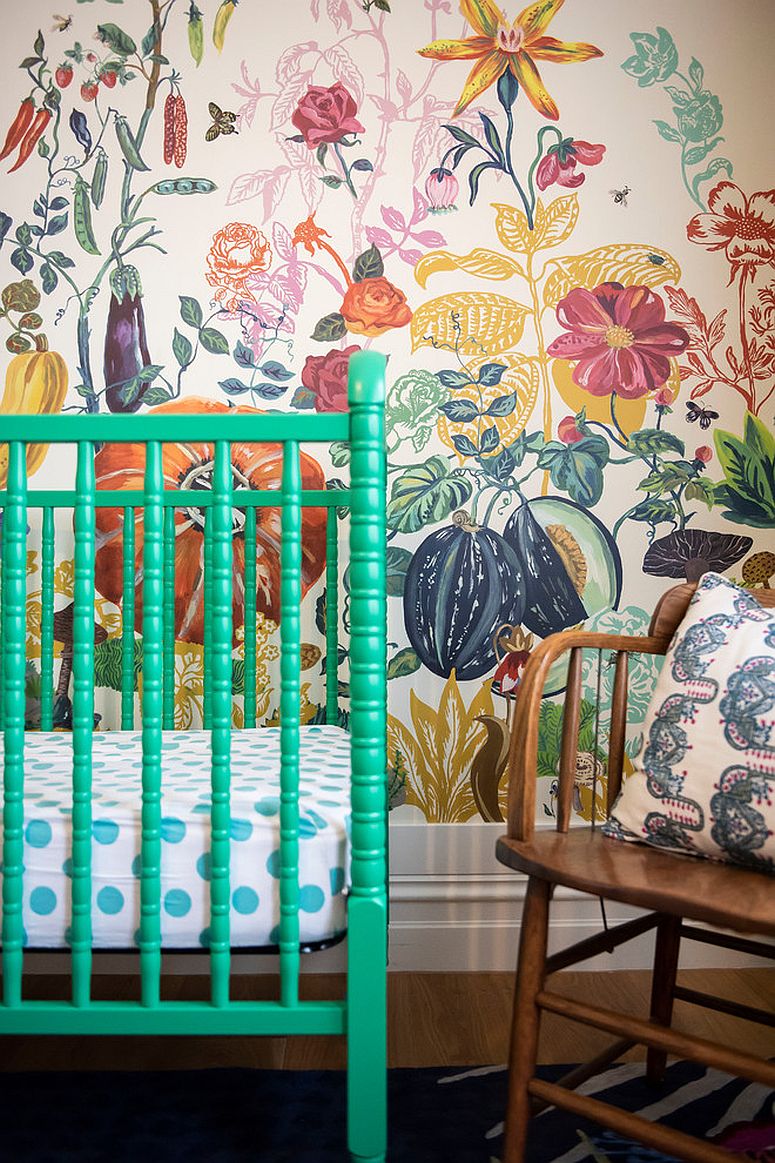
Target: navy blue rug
<point x="231" y="1116"/>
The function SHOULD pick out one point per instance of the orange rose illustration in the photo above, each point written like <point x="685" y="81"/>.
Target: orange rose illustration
<point x="239" y="250"/>
<point x="373" y="306"/>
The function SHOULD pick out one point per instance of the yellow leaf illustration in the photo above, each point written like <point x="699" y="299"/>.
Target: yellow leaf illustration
<point x="629" y="413"/>
<point x="512" y="228"/>
<point x="554" y="223"/>
<point x="472" y="322"/>
<point x="522" y="376"/>
<point x="64" y="579"/>
<point x="189" y="684"/>
<point x="32" y="562"/>
<point x="438" y="756"/>
<point x="487" y="264"/>
<point x="627" y="262"/>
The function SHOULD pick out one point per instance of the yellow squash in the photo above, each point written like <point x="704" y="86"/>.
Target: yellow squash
<point x="35" y="382"/>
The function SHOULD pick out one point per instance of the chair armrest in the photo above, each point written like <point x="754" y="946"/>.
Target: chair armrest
<point x="523" y="749"/>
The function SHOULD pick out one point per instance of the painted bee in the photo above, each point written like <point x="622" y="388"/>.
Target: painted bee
<point x="223" y="122"/>
<point x="620" y="196"/>
<point x="699" y="412"/>
<point x="61" y="23"/>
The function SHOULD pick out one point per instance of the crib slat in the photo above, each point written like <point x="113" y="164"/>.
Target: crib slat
<point x="208" y="622"/>
<point x="153" y="597"/>
<point x="169" y="618"/>
<point x="290" y="693"/>
<point x="128" y="623"/>
<point x="13" y="659"/>
<point x="249" y="650"/>
<point x="47" y="621"/>
<point x="220" y="695"/>
<point x="332" y="618"/>
<point x="83" y="722"/>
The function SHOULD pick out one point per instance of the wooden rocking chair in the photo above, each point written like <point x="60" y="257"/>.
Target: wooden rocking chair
<point x="677" y="891"/>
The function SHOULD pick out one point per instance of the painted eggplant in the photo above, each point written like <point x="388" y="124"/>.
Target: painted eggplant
<point x="553" y="601"/>
<point x="462" y="584"/>
<point x="126" y="346"/>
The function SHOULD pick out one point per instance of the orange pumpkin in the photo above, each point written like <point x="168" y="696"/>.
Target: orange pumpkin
<point x="189" y="466"/>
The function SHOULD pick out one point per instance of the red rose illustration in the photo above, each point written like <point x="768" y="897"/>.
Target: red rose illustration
<point x="326" y="115"/>
<point x="326" y="376"/>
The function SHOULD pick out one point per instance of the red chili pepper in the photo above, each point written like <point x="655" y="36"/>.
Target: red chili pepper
<point x="35" y="132"/>
<point x="181" y="131"/>
<point x="19" y="126"/>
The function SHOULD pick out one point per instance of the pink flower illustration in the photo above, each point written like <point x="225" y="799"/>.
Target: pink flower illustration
<point x="326" y="115"/>
<point x="326" y="376"/>
<point x="742" y="227"/>
<point x="441" y="190"/>
<point x="567" y="431"/>
<point x="619" y="337"/>
<point x="559" y="163"/>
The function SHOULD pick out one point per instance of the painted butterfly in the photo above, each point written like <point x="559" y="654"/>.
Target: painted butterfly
<point x="223" y="122"/>
<point x="706" y="416"/>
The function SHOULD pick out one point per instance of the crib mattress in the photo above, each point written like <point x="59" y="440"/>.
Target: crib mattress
<point x="324" y="811"/>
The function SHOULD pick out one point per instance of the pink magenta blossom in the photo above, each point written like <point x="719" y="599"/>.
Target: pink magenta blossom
<point x="441" y="190"/>
<point x="703" y="453"/>
<point x="326" y="115"/>
<point x="568" y="432"/>
<point x="620" y="339"/>
<point x="559" y="163"/>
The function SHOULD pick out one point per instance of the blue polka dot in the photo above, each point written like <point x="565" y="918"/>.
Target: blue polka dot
<point x="67" y="867"/>
<point x="241" y="829"/>
<point x="43" y="901"/>
<point x="329" y="804"/>
<point x="268" y="806"/>
<point x="204" y="938"/>
<point x="38" y="833"/>
<point x="105" y="831"/>
<point x="316" y="819"/>
<point x="172" y="830"/>
<point x="245" y="900"/>
<point x="177" y="902"/>
<point x="311" y="898"/>
<point x="110" y="900"/>
<point x="273" y="864"/>
<point x="274" y="936"/>
<point x="307" y="828"/>
<point x="336" y="878"/>
<point x="137" y="867"/>
<point x="203" y="865"/>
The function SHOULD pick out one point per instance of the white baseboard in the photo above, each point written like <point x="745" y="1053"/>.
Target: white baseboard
<point x="454" y="908"/>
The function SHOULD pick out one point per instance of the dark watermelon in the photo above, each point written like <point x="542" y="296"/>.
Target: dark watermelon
<point x="463" y="583"/>
<point x="552" y="603"/>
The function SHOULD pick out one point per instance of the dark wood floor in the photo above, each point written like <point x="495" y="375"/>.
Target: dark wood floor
<point x="446" y="1019"/>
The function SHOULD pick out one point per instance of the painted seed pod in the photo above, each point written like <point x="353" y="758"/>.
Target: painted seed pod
<point x="169" y="128"/>
<point x="18" y="127"/>
<point x="184" y="186"/>
<point x="195" y="33"/>
<point x="84" y="231"/>
<point x="181" y="131"/>
<point x="222" y="18"/>
<point x="80" y="129"/>
<point x="128" y="145"/>
<point x="99" y="178"/>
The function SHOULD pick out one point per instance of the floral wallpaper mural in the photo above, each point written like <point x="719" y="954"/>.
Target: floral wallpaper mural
<point x="210" y="206"/>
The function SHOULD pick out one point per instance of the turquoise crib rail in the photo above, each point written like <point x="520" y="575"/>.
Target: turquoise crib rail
<point x="361" y="1014"/>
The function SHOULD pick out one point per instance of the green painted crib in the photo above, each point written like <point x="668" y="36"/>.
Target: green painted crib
<point x="361" y="1014"/>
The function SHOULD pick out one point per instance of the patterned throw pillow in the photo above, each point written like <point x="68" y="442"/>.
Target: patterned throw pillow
<point x="705" y="780"/>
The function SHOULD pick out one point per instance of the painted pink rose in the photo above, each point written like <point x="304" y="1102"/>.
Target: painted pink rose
<point x="559" y="163"/>
<point x="742" y="227"/>
<point x="326" y="376"/>
<point x="704" y="454"/>
<point x="326" y="115"/>
<point x="620" y="339"/>
<point x="567" y="431"/>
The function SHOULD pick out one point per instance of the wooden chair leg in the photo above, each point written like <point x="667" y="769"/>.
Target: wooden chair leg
<point x="526" y="1015"/>
<point x="668" y="947"/>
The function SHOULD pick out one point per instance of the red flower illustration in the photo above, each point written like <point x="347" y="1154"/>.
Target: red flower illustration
<point x="559" y="163"/>
<point x="619" y="337"/>
<point x="326" y="376"/>
<point x="326" y="115"/>
<point x="742" y="227"/>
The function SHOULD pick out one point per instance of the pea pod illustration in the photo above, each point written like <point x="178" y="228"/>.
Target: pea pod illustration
<point x="222" y="18"/>
<point x="195" y="33"/>
<point x="82" y="217"/>
<point x="99" y="177"/>
<point x="184" y="186"/>
<point x="129" y="145"/>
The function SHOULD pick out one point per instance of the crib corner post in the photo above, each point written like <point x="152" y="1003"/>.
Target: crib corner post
<point x="367" y="910"/>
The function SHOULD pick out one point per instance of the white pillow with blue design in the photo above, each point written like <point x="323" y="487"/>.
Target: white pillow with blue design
<point x="705" y="781"/>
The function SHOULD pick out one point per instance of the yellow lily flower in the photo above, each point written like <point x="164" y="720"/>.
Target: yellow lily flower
<point x="500" y="46"/>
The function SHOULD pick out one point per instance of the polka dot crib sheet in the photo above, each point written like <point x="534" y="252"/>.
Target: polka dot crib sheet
<point x="324" y="812"/>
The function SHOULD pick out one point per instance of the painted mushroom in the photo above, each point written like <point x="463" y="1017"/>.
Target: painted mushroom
<point x="63" y="632"/>
<point x="689" y="553"/>
<point x="759" y="568"/>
